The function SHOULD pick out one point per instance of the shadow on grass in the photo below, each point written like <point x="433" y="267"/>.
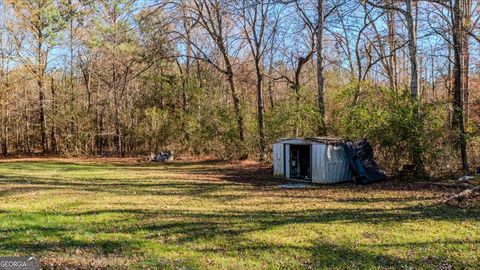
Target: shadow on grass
<point x="129" y="229"/>
<point x="324" y="255"/>
<point x="191" y="226"/>
<point x="63" y="243"/>
<point x="186" y="228"/>
<point x="209" y="190"/>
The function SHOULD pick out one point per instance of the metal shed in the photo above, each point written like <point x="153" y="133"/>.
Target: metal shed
<point x="316" y="160"/>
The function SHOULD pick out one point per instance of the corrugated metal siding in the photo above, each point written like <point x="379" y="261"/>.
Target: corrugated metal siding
<point x="278" y="160"/>
<point x="329" y="164"/>
<point x="287" y="160"/>
<point x="318" y="163"/>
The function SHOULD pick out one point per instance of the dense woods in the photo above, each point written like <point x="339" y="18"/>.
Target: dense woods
<point x="227" y="78"/>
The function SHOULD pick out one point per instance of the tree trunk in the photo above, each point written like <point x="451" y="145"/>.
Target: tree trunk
<point x="322" y="128"/>
<point x="186" y="81"/>
<point x="53" y="140"/>
<point x="416" y="148"/>
<point x="118" y="130"/>
<point x="458" y="49"/>
<point x="296" y="90"/>
<point x="41" y="101"/>
<point x="236" y="105"/>
<point x="449" y="87"/>
<point x="270" y="81"/>
<point x="412" y="50"/>
<point x="186" y="87"/>
<point x="26" y="114"/>
<point x="260" y="109"/>
<point x="467" y="7"/>
<point x="432" y="75"/>
<point x="41" y="95"/>
<point x="270" y="95"/>
<point x="393" y="78"/>
<point x="5" y="117"/>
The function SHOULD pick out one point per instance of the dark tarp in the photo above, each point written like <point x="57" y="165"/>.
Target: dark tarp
<point x="364" y="167"/>
<point x="162" y="157"/>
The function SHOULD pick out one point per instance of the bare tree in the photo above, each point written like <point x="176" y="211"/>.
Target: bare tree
<point x="304" y="37"/>
<point x="316" y="26"/>
<point x="457" y="11"/>
<point x="408" y="14"/>
<point x="467" y="21"/>
<point x="259" y="22"/>
<point x="37" y="25"/>
<point x="322" y="129"/>
<point x="7" y="52"/>
<point x="459" y="48"/>
<point x="213" y="17"/>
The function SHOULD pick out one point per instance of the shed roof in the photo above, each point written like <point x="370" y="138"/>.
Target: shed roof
<point x="324" y="140"/>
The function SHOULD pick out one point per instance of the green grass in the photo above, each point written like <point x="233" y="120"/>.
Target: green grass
<point x="220" y="216"/>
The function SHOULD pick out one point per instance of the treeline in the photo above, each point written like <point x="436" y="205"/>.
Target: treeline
<point x="227" y="78"/>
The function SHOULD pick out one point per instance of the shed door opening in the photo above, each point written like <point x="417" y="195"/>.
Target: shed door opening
<point x="300" y="162"/>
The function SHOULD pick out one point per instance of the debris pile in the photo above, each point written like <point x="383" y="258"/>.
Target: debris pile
<point x="161" y="157"/>
<point x="293" y="185"/>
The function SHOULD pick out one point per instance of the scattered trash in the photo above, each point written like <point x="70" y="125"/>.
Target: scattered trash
<point x="294" y="185"/>
<point x="466" y="178"/>
<point x="161" y="157"/>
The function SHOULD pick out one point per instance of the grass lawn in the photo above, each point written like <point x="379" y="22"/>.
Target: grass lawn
<point x="123" y="214"/>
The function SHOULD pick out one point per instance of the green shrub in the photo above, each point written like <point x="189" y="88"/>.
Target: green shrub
<point x="400" y="127"/>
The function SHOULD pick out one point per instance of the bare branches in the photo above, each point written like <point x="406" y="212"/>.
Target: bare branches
<point x="387" y="7"/>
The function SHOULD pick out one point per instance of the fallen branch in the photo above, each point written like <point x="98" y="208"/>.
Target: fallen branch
<point x="463" y="184"/>
<point x="462" y="197"/>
